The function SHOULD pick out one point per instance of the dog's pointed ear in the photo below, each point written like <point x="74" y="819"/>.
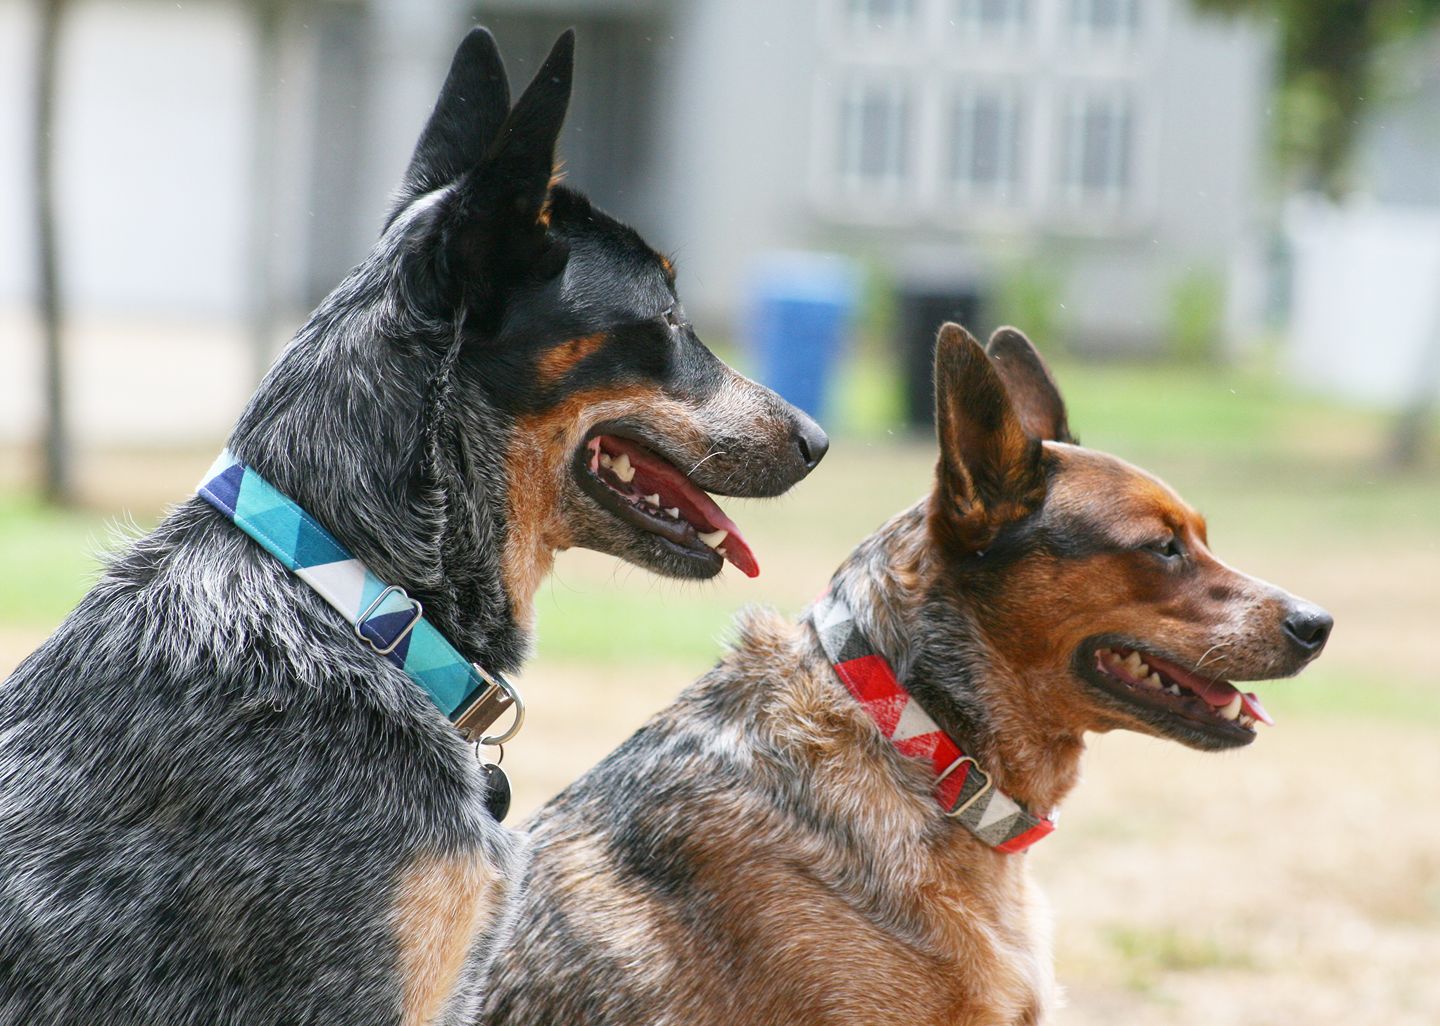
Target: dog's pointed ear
<point x="990" y="471"/>
<point x="1030" y="385"/>
<point x="526" y="142"/>
<point x="473" y="105"/>
<point x="500" y="215"/>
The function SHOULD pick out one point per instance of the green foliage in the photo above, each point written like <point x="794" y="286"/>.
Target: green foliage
<point x="1030" y="291"/>
<point x="1329" y="72"/>
<point x="875" y="318"/>
<point x="1196" y="316"/>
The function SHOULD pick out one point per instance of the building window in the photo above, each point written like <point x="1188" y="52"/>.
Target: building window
<point x="874" y="136"/>
<point x="884" y="15"/>
<point x="983" y="148"/>
<point x="1105" y="19"/>
<point x="991" y="18"/>
<point x="1099" y="146"/>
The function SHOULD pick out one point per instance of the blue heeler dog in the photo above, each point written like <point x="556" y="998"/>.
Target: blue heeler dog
<point x="217" y="804"/>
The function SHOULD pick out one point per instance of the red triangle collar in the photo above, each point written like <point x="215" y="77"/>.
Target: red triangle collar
<point x="963" y="790"/>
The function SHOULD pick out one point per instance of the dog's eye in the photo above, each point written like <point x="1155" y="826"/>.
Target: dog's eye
<point x="1168" y="549"/>
<point x="673" y="318"/>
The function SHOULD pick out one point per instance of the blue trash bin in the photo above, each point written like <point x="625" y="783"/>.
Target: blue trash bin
<point x="801" y="308"/>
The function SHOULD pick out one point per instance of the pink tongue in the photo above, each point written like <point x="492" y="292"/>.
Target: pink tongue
<point x="1217" y="692"/>
<point x="654" y="475"/>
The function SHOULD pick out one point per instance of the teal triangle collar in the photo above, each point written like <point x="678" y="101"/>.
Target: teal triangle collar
<point x="382" y="616"/>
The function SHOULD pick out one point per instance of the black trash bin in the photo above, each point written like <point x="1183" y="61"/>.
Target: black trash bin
<point x="921" y="307"/>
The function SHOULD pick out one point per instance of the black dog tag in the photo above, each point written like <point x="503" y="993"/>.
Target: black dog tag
<point x="497" y="792"/>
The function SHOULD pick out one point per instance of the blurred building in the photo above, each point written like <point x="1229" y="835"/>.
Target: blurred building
<point x="222" y="160"/>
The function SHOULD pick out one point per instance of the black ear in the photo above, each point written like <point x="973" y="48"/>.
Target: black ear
<point x="473" y="104"/>
<point x="990" y="472"/>
<point x="1031" y="387"/>
<point x="500" y="216"/>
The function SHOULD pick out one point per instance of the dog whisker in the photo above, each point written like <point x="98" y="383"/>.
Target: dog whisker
<point x="1212" y="648"/>
<point x="711" y="455"/>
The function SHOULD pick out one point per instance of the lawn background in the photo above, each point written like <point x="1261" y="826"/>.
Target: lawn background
<point x="1296" y="881"/>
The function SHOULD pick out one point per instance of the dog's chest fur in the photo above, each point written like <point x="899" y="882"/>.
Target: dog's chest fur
<point x="752" y="856"/>
<point x="212" y="812"/>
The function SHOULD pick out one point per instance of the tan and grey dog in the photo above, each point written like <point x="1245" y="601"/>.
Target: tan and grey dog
<point x="795" y="841"/>
<point x="218" y="806"/>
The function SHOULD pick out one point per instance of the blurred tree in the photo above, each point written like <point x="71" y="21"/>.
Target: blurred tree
<point x="58" y="485"/>
<point x="267" y="18"/>
<point x="1329" y="66"/>
<point x="1329" y="56"/>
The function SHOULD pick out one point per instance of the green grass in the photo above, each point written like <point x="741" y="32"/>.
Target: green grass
<point x="48" y="559"/>
<point x="1348" y="692"/>
<point x="1148" y="954"/>
<point x="1281" y="477"/>
<point x="665" y="626"/>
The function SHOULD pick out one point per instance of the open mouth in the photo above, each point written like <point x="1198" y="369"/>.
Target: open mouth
<point x="646" y="490"/>
<point x="1156" y="683"/>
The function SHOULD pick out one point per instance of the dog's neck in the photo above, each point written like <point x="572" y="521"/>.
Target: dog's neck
<point x="358" y="422"/>
<point x="915" y="615"/>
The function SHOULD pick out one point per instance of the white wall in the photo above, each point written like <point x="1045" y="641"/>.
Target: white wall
<point x="1366" y="298"/>
<point x="152" y="159"/>
<point x="733" y="143"/>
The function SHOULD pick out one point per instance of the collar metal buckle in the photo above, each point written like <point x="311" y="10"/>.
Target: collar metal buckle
<point x="419" y="611"/>
<point x="487" y="707"/>
<point x="956" y="812"/>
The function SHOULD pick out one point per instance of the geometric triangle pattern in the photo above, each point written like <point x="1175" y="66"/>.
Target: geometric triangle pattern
<point x="383" y="616"/>
<point x="962" y="788"/>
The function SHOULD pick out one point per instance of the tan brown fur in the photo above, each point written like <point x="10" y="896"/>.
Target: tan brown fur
<point x="439" y="907"/>
<point x="559" y="360"/>
<point x="539" y="464"/>
<point x="541" y="450"/>
<point x="791" y="916"/>
<point x="763" y="854"/>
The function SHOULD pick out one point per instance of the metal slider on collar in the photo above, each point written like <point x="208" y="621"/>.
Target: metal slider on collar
<point x="417" y="611"/>
<point x="959" y="809"/>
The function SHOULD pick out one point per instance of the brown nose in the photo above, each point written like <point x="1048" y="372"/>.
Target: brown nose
<point x="1308" y="628"/>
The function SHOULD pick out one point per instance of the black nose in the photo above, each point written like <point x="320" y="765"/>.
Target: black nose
<point x="812" y="440"/>
<point x="1308" y="627"/>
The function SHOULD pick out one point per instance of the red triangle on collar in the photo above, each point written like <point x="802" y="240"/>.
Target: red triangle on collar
<point x="962" y="789"/>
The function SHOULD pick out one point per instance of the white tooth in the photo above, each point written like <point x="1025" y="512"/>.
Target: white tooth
<point x="622" y="468"/>
<point x="653" y="500"/>
<point x="1231" y="709"/>
<point x="1173" y="689"/>
<point x="1153" y="681"/>
<point x="714" y="538"/>
<point x="605" y="459"/>
<point x="1143" y="670"/>
<point x="722" y="551"/>
<point x="674" y="512"/>
<point x="1114" y="659"/>
<point x="1246" y="720"/>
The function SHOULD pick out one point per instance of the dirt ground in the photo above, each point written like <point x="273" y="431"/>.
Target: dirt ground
<point x="1297" y="881"/>
<point x="1294" y="882"/>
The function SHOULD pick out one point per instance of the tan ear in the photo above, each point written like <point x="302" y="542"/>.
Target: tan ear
<point x="1031" y="387"/>
<point x="990" y="471"/>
